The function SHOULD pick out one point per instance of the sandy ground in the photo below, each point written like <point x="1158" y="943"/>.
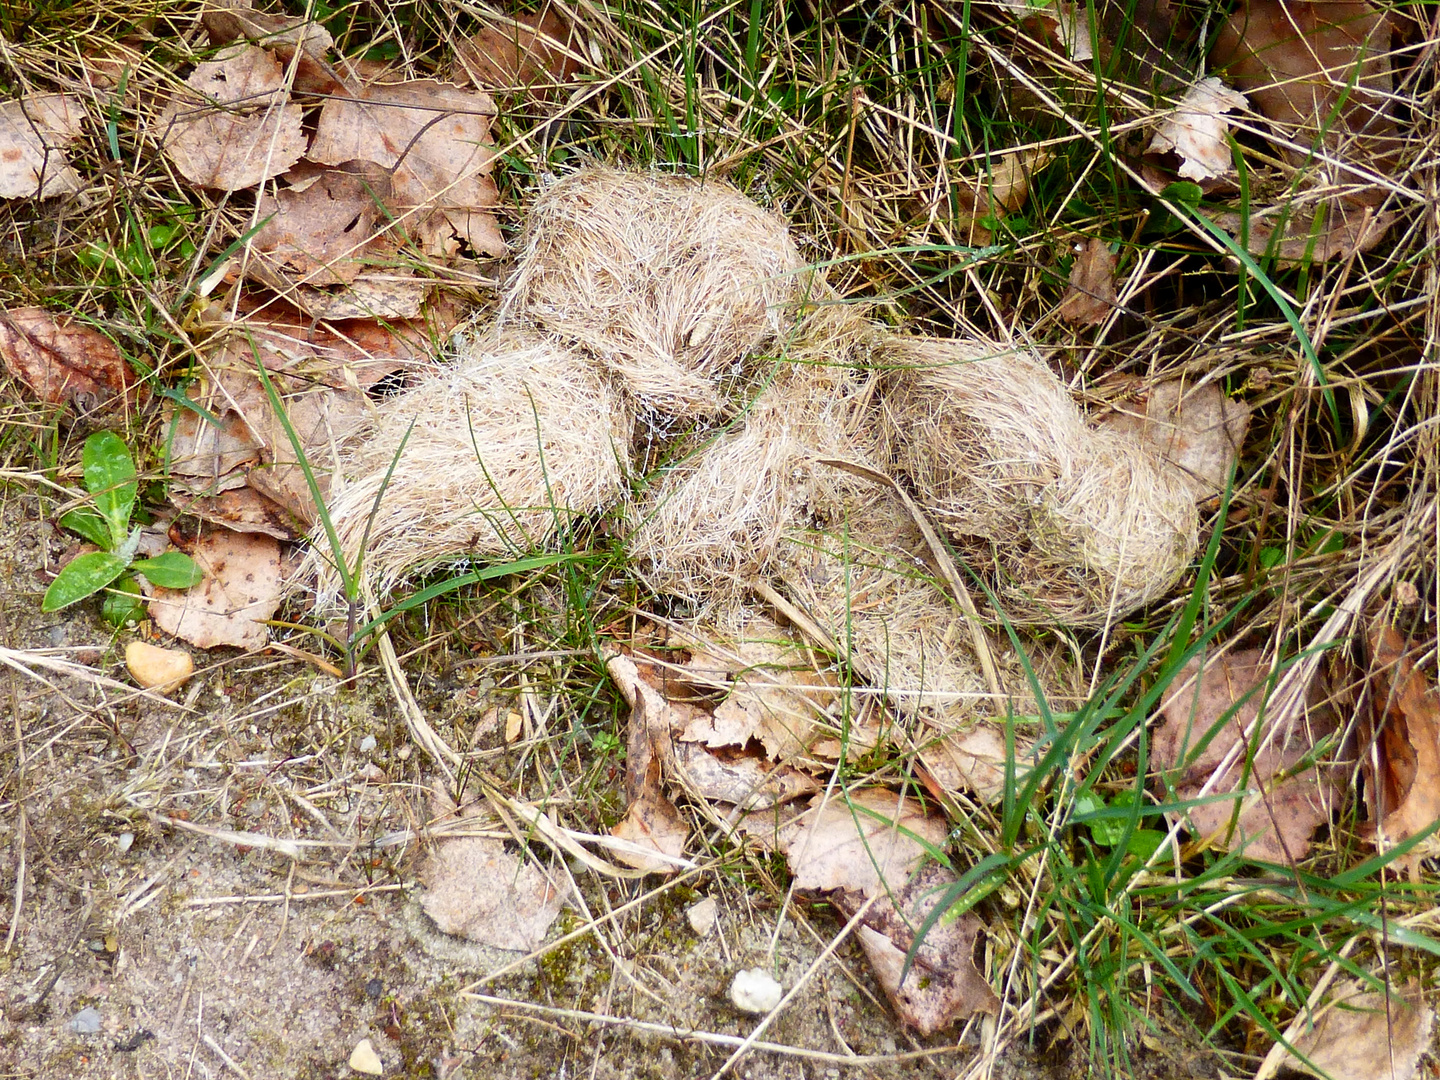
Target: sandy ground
<point x="138" y="948"/>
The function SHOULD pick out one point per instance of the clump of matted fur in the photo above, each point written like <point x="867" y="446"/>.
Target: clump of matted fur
<point x="1076" y="526"/>
<point x="670" y="281"/>
<point x="513" y="438"/>
<point x="708" y="527"/>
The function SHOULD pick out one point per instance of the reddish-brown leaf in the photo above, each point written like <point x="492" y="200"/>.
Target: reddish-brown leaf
<point x="1092" y="284"/>
<point x="64" y="362"/>
<point x="526" y="51"/>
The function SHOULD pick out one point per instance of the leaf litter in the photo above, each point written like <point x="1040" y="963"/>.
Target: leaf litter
<point x="64" y="362"/>
<point x="34" y="131"/>
<point x="1364" y="1034"/>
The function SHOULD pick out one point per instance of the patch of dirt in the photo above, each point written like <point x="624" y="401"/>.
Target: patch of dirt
<point x="192" y="950"/>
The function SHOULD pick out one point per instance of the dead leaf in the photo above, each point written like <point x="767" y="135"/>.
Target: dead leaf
<point x="242" y="130"/>
<point x="243" y="510"/>
<point x="1198" y="430"/>
<point x="1091" y="294"/>
<point x="1197" y="130"/>
<point x="1405" y="724"/>
<point x="974" y="760"/>
<point x="242" y="588"/>
<point x="476" y="889"/>
<point x="1312" y="227"/>
<point x="1209" y="712"/>
<point x="942" y="985"/>
<point x="1365" y="1035"/>
<point x="519" y="52"/>
<point x="33" y="134"/>
<point x="325" y="232"/>
<point x="651" y="821"/>
<point x="744" y="780"/>
<point x="64" y="362"/>
<point x="1318" y="69"/>
<point x="434" y="136"/>
<point x="859" y="842"/>
<point x="385" y="295"/>
<point x="233" y="20"/>
<point x="1003" y="190"/>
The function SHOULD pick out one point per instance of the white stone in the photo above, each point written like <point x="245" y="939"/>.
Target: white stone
<point x="702" y="916"/>
<point x="755" y="991"/>
<point x="367" y="744"/>
<point x="364" y="1059"/>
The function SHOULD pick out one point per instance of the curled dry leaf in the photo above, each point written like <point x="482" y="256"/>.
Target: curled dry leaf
<point x="1366" y="1035"/>
<point x="1196" y="429"/>
<point x="64" y="362"/>
<point x="651" y="820"/>
<point x="1003" y="190"/>
<point x="234" y="20"/>
<point x="943" y="984"/>
<point x="1091" y="294"/>
<point x="1210" y="712"/>
<point x="522" y="51"/>
<point x="242" y="128"/>
<point x="242" y="588"/>
<point x="1405" y="725"/>
<point x="33" y="134"/>
<point x="1311" y="227"/>
<point x="743" y="780"/>
<point x="974" y="760"/>
<point x="1197" y="130"/>
<point x="476" y="889"/>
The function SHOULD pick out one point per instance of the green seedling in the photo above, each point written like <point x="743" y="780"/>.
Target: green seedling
<point x="109" y="472"/>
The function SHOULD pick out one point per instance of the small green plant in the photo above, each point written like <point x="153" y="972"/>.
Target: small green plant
<point x="109" y="473"/>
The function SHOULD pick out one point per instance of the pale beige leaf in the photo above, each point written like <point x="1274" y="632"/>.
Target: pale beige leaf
<point x="859" y="842"/>
<point x="476" y="889"/>
<point x="740" y="779"/>
<point x="1091" y="294"/>
<point x="1210" y="712"/>
<point x="974" y="760"/>
<point x="435" y="136"/>
<point x="243" y="586"/>
<point x="1366" y="1035"/>
<point x="33" y="134"/>
<point x="240" y="128"/>
<point x="243" y="510"/>
<point x="653" y="823"/>
<point x="393" y="294"/>
<point x="1197" y="130"/>
<point x="1197" y="429"/>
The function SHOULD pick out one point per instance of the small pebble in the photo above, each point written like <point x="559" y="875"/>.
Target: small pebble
<point x="702" y="916"/>
<point x="373" y="989"/>
<point x="364" y="1059"/>
<point x="124" y="841"/>
<point x="85" y="1022"/>
<point x="367" y="744"/>
<point x="513" y="722"/>
<point x="755" y="991"/>
<point x="154" y="668"/>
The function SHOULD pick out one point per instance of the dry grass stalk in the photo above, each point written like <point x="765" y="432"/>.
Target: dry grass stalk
<point x="1077" y="526"/>
<point x="671" y="282"/>
<point x="512" y="440"/>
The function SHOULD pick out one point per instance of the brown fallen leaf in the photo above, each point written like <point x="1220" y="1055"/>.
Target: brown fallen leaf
<point x="1091" y="294"/>
<point x="519" y="52"/>
<point x="1197" y="429"/>
<point x="240" y="128"/>
<point x="1003" y="190"/>
<point x="1317" y="69"/>
<point x="1311" y="227"/>
<point x="1197" y="130"/>
<point x="1404" y="723"/>
<point x="64" y="362"/>
<point x="325" y="232"/>
<point x="476" y="889"/>
<point x="383" y="295"/>
<point x="943" y="984"/>
<point x="974" y="760"/>
<point x="243" y="510"/>
<point x="651" y="820"/>
<point x="860" y="841"/>
<point x="243" y="586"/>
<point x="1361" y="1034"/>
<point x="34" y="132"/>
<point x="1209" y="712"/>
<point x="234" y="20"/>
<point x="433" y="136"/>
